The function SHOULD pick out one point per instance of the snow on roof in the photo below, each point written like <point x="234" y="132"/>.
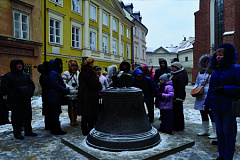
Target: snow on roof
<point x="172" y="49"/>
<point x="187" y="46"/>
<point x="128" y="4"/>
<point x="228" y="33"/>
<point x="136" y="12"/>
<point x="176" y="49"/>
<point x="150" y="49"/>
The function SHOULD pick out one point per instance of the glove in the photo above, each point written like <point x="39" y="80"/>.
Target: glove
<point x="219" y="90"/>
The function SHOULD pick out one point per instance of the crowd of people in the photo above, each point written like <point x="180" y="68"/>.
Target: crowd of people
<point x="82" y="89"/>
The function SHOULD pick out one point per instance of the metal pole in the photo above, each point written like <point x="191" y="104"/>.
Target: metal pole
<point x="45" y="34"/>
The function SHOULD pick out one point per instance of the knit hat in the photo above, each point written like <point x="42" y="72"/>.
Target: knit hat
<point x="145" y="67"/>
<point x="176" y="64"/>
<point x="87" y="60"/>
<point x="73" y="63"/>
<point x="96" y="68"/>
<point x="165" y="77"/>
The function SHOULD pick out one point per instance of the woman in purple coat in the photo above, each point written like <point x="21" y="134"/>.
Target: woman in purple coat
<point x="165" y="96"/>
<point x="224" y="86"/>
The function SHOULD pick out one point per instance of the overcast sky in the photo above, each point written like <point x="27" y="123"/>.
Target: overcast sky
<point x="168" y="21"/>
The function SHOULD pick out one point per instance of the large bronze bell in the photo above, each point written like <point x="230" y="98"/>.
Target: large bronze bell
<point x="123" y="123"/>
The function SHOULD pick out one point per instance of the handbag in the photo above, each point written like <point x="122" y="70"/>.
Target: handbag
<point x="198" y="91"/>
<point x="235" y="110"/>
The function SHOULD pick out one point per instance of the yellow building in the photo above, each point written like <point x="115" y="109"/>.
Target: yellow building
<point x="86" y="28"/>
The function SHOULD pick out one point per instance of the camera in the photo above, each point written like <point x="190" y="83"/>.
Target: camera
<point x="74" y="84"/>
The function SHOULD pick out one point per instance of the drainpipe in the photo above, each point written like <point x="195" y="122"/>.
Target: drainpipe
<point x="132" y="49"/>
<point x="45" y="34"/>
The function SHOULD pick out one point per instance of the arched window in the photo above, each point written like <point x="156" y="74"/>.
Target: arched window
<point x="218" y="22"/>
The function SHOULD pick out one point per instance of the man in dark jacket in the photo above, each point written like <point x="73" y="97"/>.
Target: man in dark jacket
<point x="125" y="67"/>
<point x="160" y="71"/>
<point x="3" y="107"/>
<point x="44" y="82"/>
<point x="56" y="94"/>
<point x="19" y="89"/>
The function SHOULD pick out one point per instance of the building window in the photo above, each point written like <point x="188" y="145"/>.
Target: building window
<point x="218" y="22"/>
<point x="122" y="49"/>
<point x="114" y="47"/>
<point x="93" y="13"/>
<point x="114" y="24"/>
<point x="143" y="37"/>
<point x="75" y="37"/>
<point x="135" y="28"/>
<point x="28" y="69"/>
<point x="76" y="6"/>
<point x="128" y="33"/>
<point x="128" y="51"/>
<point x="21" y="25"/>
<point x="55" y="36"/>
<point x="136" y="51"/>
<point x="143" y="53"/>
<point x="105" y="44"/>
<point x="186" y="59"/>
<point x="122" y="30"/>
<point x="92" y="40"/>
<point x="57" y="1"/>
<point x="105" y="19"/>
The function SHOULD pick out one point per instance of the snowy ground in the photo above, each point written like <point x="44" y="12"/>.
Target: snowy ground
<point x="201" y="150"/>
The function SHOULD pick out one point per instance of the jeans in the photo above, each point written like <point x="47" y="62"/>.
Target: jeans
<point x="225" y="133"/>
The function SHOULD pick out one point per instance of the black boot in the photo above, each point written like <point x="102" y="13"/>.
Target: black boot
<point x="214" y="142"/>
<point x="30" y="134"/>
<point x="58" y="132"/>
<point x="19" y="136"/>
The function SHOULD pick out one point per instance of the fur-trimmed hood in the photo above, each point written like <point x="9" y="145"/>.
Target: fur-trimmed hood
<point x="110" y="70"/>
<point x="70" y="66"/>
<point x="201" y="64"/>
<point x="228" y="59"/>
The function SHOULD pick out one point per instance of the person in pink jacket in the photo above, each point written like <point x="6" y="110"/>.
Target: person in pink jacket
<point x="148" y="71"/>
<point x="165" y="96"/>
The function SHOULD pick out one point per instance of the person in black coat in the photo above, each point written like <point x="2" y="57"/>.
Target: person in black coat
<point x="125" y="67"/>
<point x="160" y="71"/>
<point x="56" y="92"/>
<point x="43" y="80"/>
<point x="3" y="107"/>
<point x="19" y="89"/>
<point x="180" y="80"/>
<point x="140" y="80"/>
<point x="88" y="98"/>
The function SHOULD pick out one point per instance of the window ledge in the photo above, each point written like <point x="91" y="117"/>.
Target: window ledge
<point x="74" y="48"/>
<point x="60" y="5"/>
<point x="93" y="20"/>
<point x="55" y="44"/>
<point x="105" y="26"/>
<point x="78" y="13"/>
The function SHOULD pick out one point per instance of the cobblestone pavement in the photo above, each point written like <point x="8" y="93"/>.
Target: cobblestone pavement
<point x="47" y="146"/>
